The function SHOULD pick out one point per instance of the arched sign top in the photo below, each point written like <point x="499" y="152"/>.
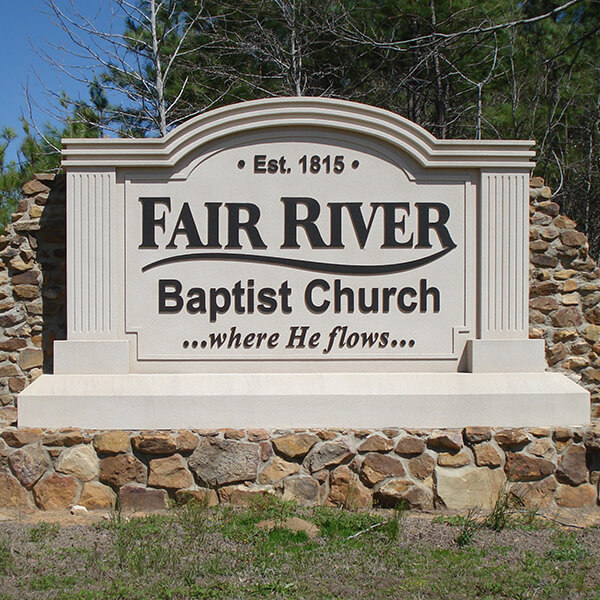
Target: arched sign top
<point x="323" y="113"/>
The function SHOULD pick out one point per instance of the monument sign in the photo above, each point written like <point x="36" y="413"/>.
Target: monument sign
<point x="298" y="262"/>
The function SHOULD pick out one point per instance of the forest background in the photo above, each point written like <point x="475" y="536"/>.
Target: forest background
<point x="491" y="69"/>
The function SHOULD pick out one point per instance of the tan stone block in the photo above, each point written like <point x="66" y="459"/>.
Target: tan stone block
<point x="96" y="496"/>
<point x="277" y="470"/>
<point x="328" y="454"/>
<point x="395" y="492"/>
<point x="572" y="467"/>
<point x="376" y="443"/>
<point x="242" y="495"/>
<point x="327" y="434"/>
<point x="569" y="286"/>
<point x="9" y="370"/>
<point x="12" y="495"/>
<point x="570" y="299"/>
<point x="543" y="448"/>
<point x="79" y="461"/>
<point x="509" y="438"/>
<point x="486" y="455"/>
<point x="539" y="431"/>
<point x="170" y="472"/>
<point x="575" y="497"/>
<point x="591" y="333"/>
<point x="454" y="460"/>
<point x="27" y="292"/>
<point x="201" y="495"/>
<point x="35" y="212"/>
<point x="186" y="441"/>
<point x="445" y="440"/>
<point x="346" y="490"/>
<point x="534" y="494"/>
<point x="111" y="442"/>
<point x="563" y="222"/>
<point x="30" y="358"/>
<point x="295" y="445"/>
<point x="469" y="487"/>
<point x="55" y="492"/>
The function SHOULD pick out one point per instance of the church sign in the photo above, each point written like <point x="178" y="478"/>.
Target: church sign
<point x="298" y="262"/>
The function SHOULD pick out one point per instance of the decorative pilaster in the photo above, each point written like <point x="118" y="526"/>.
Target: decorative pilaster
<point x="91" y="227"/>
<point x="504" y="256"/>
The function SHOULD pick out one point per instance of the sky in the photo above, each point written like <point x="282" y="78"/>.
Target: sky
<point x="27" y="26"/>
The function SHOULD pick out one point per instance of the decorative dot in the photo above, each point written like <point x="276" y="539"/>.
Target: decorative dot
<point x="203" y="344"/>
<point x="394" y="343"/>
<point x="402" y="343"/>
<point x="411" y="343"/>
<point x="241" y="164"/>
<point x="194" y="344"/>
<point x="355" y="164"/>
<point x="185" y="343"/>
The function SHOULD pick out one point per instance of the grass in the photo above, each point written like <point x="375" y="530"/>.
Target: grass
<point x="196" y="552"/>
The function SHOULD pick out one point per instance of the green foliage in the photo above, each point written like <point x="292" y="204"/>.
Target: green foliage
<point x="468" y="528"/>
<point x="6" y="559"/>
<point x="567" y="547"/>
<point x="43" y="532"/>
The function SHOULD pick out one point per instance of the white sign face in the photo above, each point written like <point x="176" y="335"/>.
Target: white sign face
<point x="299" y="247"/>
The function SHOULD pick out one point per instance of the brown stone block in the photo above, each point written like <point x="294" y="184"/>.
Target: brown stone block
<point x="55" y="492"/>
<point x="234" y="434"/>
<point x="563" y="222"/>
<point x="65" y="437"/>
<point x="35" y="186"/>
<point x="13" y="344"/>
<point x="403" y="491"/>
<point x="544" y="304"/>
<point x="154" y="442"/>
<point x="28" y="464"/>
<point x="573" y="238"/>
<point x="243" y="495"/>
<point x="121" y="469"/>
<point x="21" y="437"/>
<point x="257" y="435"/>
<point x="376" y="467"/>
<point x="410" y="446"/>
<point x="567" y="317"/>
<point x="17" y="384"/>
<point x="422" y="466"/>
<point x="9" y="370"/>
<point x="136" y="498"/>
<point x="572" y="468"/>
<point x="520" y="467"/>
<point x="302" y="489"/>
<point x="328" y="454"/>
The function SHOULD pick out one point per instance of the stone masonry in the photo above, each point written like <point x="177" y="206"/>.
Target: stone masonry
<point x="426" y="469"/>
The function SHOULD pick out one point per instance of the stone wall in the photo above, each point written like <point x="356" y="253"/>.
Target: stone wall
<point x="564" y="293"/>
<point x="426" y="469"/>
<point x="32" y="288"/>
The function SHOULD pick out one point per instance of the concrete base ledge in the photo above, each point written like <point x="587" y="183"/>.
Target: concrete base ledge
<point x="295" y="400"/>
